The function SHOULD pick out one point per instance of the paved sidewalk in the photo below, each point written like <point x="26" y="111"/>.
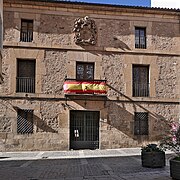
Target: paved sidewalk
<point x="33" y="155"/>
<point x="112" y="164"/>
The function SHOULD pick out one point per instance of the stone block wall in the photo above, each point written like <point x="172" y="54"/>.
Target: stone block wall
<point x="164" y="36"/>
<point x="167" y="82"/>
<point x="5" y="87"/>
<point x="47" y="133"/>
<point x="56" y="53"/>
<point x="113" y="71"/>
<point x="9" y="27"/>
<point x="119" y="129"/>
<point x="55" y="30"/>
<point x="55" y="63"/>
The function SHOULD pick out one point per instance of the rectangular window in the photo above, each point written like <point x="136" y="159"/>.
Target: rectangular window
<point x="140" y="81"/>
<point x="26" y="34"/>
<point x="84" y="71"/>
<point x="25" y="80"/>
<point x="25" y="121"/>
<point x="141" y="123"/>
<point x="140" y="37"/>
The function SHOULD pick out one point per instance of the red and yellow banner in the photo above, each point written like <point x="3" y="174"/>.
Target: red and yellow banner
<point x="85" y="87"/>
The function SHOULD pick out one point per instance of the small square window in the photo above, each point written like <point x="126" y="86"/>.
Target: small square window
<point x="140" y="37"/>
<point x="25" y="121"/>
<point x="26" y="34"/>
<point x="84" y="71"/>
<point x="141" y="123"/>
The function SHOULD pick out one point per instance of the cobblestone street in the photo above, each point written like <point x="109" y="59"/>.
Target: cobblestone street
<point x="119" y="164"/>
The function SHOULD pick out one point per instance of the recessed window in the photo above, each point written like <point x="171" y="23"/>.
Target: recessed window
<point x="140" y="81"/>
<point x="84" y="71"/>
<point x="141" y="123"/>
<point x="140" y="37"/>
<point x="25" y="80"/>
<point x="26" y="34"/>
<point x="25" y="121"/>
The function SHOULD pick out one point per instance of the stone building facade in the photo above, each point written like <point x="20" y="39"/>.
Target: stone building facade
<point x="1" y="38"/>
<point x="87" y="76"/>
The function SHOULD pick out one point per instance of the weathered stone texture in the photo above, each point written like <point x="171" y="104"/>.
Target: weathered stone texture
<point x="113" y="56"/>
<point x="163" y="36"/>
<point x="5" y="125"/>
<point x="163" y="43"/>
<point x="9" y="27"/>
<point x="56" y="70"/>
<point x="5" y="87"/>
<point x="163" y="29"/>
<point x="39" y="141"/>
<point x="6" y="118"/>
<point x="49" y="116"/>
<point x="112" y="67"/>
<point x="119" y="129"/>
<point x="55" y="30"/>
<point x="46" y="135"/>
<point x="118" y="36"/>
<point x="167" y="112"/>
<point x="166" y="85"/>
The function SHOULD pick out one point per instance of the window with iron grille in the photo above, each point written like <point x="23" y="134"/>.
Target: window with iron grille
<point x="140" y="37"/>
<point x="84" y="71"/>
<point x="25" y="80"/>
<point x="140" y="81"/>
<point x="141" y="123"/>
<point x="25" y="121"/>
<point x="26" y="34"/>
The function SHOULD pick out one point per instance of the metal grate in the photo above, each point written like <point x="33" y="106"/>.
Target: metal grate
<point x="25" y="84"/>
<point x="140" y="89"/>
<point x="141" y="123"/>
<point x="25" y="121"/>
<point x="84" y="129"/>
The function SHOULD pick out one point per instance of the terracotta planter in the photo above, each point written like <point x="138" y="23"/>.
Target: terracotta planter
<point x="175" y="169"/>
<point x="153" y="159"/>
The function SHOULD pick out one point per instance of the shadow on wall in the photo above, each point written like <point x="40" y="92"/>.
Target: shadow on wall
<point x="120" y="44"/>
<point x="115" y="43"/>
<point x="42" y="126"/>
<point x="121" y="119"/>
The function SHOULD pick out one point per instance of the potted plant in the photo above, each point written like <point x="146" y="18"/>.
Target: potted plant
<point x="172" y="142"/>
<point x="152" y="156"/>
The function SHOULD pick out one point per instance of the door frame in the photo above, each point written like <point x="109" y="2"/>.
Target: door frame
<point x="98" y="115"/>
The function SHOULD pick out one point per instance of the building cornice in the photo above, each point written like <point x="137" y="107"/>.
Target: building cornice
<point x="89" y="48"/>
<point x="45" y="97"/>
<point x="91" y="7"/>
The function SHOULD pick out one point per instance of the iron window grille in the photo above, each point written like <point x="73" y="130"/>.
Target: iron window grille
<point x="25" y="121"/>
<point x="141" y="123"/>
<point x="26" y="34"/>
<point x="25" y="80"/>
<point x="84" y="71"/>
<point x="140" y="37"/>
<point x="140" y="81"/>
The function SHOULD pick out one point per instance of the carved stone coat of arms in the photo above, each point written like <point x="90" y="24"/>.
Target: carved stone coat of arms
<point x="85" y="31"/>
